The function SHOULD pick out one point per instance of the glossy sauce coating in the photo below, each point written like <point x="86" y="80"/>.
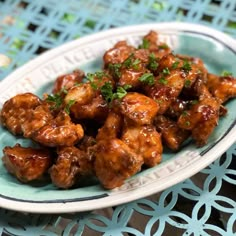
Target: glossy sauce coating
<point x="71" y="164"/>
<point x="27" y="164"/>
<point x="112" y="122"/>
<point x="145" y="141"/>
<point x="59" y="132"/>
<point x="118" y="53"/>
<point x="172" y="135"/>
<point x="16" y="110"/>
<point x="139" y="108"/>
<point x="222" y="87"/>
<point x="68" y="81"/>
<point x="115" y="162"/>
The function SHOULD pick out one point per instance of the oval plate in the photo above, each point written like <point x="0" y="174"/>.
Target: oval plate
<point x="216" y="49"/>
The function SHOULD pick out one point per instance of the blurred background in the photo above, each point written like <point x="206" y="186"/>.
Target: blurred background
<point x="28" y="28"/>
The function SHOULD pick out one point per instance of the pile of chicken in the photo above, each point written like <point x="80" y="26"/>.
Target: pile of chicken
<point x="111" y="123"/>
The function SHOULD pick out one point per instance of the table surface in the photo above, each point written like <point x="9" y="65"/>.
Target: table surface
<point x="28" y="28"/>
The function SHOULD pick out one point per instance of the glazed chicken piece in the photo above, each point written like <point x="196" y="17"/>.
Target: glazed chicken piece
<point x="175" y="76"/>
<point x="111" y="128"/>
<point x="154" y="45"/>
<point x="27" y="164"/>
<point x="197" y="62"/>
<point x="145" y="141"/>
<point x="209" y="108"/>
<point x="131" y="70"/>
<point x="221" y="87"/>
<point x="172" y="135"/>
<point x="59" y="132"/>
<point x="132" y="66"/>
<point x="37" y="118"/>
<point x="87" y="102"/>
<point x="166" y="89"/>
<point x="67" y="81"/>
<point x="97" y="110"/>
<point x="115" y="162"/>
<point x="152" y="38"/>
<point x="118" y="54"/>
<point x="190" y="71"/>
<point x="16" y="111"/>
<point x="127" y="64"/>
<point x="142" y="55"/>
<point x="177" y="107"/>
<point x="202" y="117"/>
<point x="84" y="93"/>
<point x="138" y="108"/>
<point x="81" y="94"/>
<point x="71" y="164"/>
<point x="169" y="61"/>
<point x="179" y="61"/>
<point x="138" y="63"/>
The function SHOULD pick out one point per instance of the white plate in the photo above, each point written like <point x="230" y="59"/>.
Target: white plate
<point x="215" y="48"/>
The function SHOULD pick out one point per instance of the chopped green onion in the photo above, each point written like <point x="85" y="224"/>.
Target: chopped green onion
<point x="166" y="71"/>
<point x="163" y="81"/>
<point x="226" y="73"/>
<point x="175" y="65"/>
<point x="68" y="105"/>
<point x="147" y="78"/>
<point x="145" y="44"/>
<point x="186" y="66"/>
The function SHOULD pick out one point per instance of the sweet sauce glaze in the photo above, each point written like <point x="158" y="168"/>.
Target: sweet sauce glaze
<point x="112" y="123"/>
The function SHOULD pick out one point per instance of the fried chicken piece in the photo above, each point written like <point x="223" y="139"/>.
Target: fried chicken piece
<point x="118" y="54"/>
<point x="197" y="62"/>
<point x="82" y="94"/>
<point x="131" y="76"/>
<point x="142" y="55"/>
<point x="27" y="164"/>
<point x="71" y="164"/>
<point x="202" y="117"/>
<point x="99" y="78"/>
<point x="162" y="50"/>
<point x="162" y="95"/>
<point x="37" y="118"/>
<point x="155" y="46"/>
<point x="87" y="102"/>
<point x="67" y="81"/>
<point x="145" y="141"/>
<point x="115" y="162"/>
<point x="111" y="128"/>
<point x="59" y="132"/>
<point x="172" y="135"/>
<point x="133" y="68"/>
<point x="16" y="110"/>
<point x="179" y="61"/>
<point x="152" y="38"/>
<point x="209" y="109"/>
<point x="190" y="71"/>
<point x="169" y="61"/>
<point x="221" y="87"/>
<point x="174" y="77"/>
<point x="166" y="89"/>
<point x="177" y="107"/>
<point x="97" y="110"/>
<point x="139" y="108"/>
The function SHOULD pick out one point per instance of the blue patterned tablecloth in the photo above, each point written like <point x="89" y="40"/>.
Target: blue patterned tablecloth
<point x="202" y="205"/>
